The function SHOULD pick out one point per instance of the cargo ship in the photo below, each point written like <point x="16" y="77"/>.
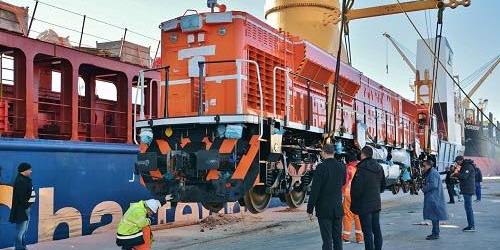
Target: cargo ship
<point x="482" y="143"/>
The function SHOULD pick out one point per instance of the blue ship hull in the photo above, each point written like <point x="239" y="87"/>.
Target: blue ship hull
<point x="82" y="189"/>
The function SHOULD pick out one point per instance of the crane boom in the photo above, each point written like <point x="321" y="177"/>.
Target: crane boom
<point x="391" y="9"/>
<point x="466" y="101"/>
<point x="405" y="58"/>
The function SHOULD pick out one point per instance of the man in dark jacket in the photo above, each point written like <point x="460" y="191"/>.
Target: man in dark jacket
<point x="450" y="183"/>
<point x="467" y="177"/>
<point x="22" y="199"/>
<point x="479" y="179"/>
<point x="367" y="184"/>
<point x="326" y="198"/>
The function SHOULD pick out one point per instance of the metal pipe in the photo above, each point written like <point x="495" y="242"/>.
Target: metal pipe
<point x="123" y="42"/>
<point x="201" y="66"/>
<point x="81" y="33"/>
<point x="239" y="101"/>
<point x="32" y="18"/>
<point x="287" y="77"/>
<point x="167" y="79"/>
<point x="308" y="121"/>
<point x="261" y="117"/>
<point x="134" y="112"/>
<point x="157" y="49"/>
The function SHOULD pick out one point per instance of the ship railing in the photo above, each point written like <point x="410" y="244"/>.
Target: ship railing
<point x="239" y="99"/>
<point x="52" y="121"/>
<point x="86" y="38"/>
<point x="115" y="132"/>
<point x="15" y="122"/>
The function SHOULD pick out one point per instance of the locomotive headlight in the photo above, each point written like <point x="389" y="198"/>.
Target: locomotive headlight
<point x="173" y="37"/>
<point x="169" y="131"/>
<point x="146" y="136"/>
<point x="222" y="31"/>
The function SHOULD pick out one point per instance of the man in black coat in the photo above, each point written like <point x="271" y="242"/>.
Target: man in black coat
<point x="450" y="183"/>
<point x="22" y="199"/>
<point x="367" y="184"/>
<point x="326" y="198"/>
<point x="467" y="176"/>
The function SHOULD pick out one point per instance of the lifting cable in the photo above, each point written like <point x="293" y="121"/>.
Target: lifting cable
<point x="444" y="68"/>
<point x="435" y="69"/>
<point x="331" y="123"/>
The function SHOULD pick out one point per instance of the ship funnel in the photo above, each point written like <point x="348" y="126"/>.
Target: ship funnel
<point x="312" y="20"/>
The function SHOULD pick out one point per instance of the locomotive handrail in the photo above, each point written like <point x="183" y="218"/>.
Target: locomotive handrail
<point x="238" y="67"/>
<point x="140" y="88"/>
<point x="261" y="117"/>
<point x="287" y="78"/>
<point x="406" y="124"/>
<point x="201" y="73"/>
<point x="288" y="72"/>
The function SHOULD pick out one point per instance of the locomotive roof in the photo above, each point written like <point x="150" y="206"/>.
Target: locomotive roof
<point x="352" y="73"/>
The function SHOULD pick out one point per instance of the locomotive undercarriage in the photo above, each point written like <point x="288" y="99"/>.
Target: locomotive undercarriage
<point x="218" y="163"/>
<point x="214" y="163"/>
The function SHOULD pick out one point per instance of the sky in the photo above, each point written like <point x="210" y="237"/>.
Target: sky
<point x="472" y="33"/>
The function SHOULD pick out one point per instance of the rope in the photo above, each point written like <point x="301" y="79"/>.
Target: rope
<point x="443" y="65"/>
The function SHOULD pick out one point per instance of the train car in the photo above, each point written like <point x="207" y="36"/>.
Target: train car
<point x="244" y="111"/>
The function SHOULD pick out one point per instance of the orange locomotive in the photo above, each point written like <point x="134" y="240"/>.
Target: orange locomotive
<point x="244" y="111"/>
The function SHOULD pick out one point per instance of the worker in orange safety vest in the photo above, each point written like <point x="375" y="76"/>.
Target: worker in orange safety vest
<point x="348" y="215"/>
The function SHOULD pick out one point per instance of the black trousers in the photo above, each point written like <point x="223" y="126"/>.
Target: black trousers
<point x="370" y="225"/>
<point x="331" y="233"/>
<point x="451" y="192"/>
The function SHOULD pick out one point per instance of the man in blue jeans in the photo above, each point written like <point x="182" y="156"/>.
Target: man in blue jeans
<point x="466" y="174"/>
<point x="366" y="186"/>
<point x="22" y="199"/>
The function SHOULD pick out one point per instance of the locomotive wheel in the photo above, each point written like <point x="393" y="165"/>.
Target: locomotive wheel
<point x="395" y="189"/>
<point x="295" y="198"/>
<point x="213" y="207"/>
<point x="256" y="199"/>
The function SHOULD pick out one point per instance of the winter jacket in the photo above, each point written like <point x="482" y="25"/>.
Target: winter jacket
<point x="467" y="177"/>
<point x="449" y="180"/>
<point x="134" y="220"/>
<point x="434" y="205"/>
<point x="479" y="175"/>
<point x="350" y="168"/>
<point x="20" y="199"/>
<point x="366" y="186"/>
<point x="326" y="190"/>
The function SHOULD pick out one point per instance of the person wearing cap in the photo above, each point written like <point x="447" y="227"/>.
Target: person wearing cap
<point x="23" y="197"/>
<point x="134" y="231"/>
<point x="326" y="198"/>
<point x="466" y="174"/>
<point x="434" y="204"/>
<point x="366" y="186"/>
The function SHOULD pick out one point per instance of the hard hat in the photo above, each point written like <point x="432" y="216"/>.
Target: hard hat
<point x="153" y="204"/>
